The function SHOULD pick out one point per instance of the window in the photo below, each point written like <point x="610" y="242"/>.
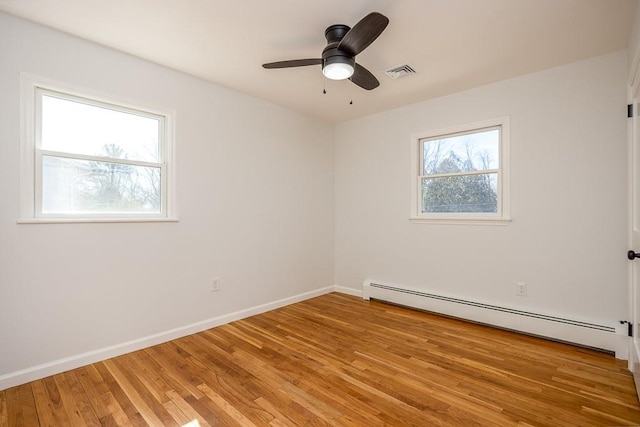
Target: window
<point x="92" y="159"/>
<point x="461" y="174"/>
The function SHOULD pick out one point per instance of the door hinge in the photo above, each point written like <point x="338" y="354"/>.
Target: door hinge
<point x="629" y="110"/>
<point x="629" y="327"/>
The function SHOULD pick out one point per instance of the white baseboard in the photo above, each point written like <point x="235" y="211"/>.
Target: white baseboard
<point x="61" y="365"/>
<point x="348" y="291"/>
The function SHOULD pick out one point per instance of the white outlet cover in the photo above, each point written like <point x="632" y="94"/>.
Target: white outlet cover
<point x="521" y="289"/>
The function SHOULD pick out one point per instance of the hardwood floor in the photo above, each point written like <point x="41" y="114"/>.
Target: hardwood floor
<point x="338" y="360"/>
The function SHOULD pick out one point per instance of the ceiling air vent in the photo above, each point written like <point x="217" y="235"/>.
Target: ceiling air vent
<point x="400" y="71"/>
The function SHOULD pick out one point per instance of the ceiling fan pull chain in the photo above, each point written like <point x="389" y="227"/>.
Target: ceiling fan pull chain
<point x="351" y="95"/>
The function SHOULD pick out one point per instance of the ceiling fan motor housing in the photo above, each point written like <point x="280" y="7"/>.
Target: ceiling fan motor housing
<point x="331" y="54"/>
<point x="335" y="33"/>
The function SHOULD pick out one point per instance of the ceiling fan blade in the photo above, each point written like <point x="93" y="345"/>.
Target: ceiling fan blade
<point x="363" y="33"/>
<point x="363" y="78"/>
<point x="293" y="63"/>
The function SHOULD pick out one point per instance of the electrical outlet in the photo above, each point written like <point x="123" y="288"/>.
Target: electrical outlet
<point x="521" y="289"/>
<point x="215" y="284"/>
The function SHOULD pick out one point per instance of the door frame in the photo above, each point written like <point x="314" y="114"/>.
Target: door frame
<point x="633" y="205"/>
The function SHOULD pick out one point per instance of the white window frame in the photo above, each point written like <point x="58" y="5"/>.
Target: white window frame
<point x="502" y="216"/>
<point x="32" y="90"/>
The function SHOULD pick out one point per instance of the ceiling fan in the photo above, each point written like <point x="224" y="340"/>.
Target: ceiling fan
<point x="343" y="44"/>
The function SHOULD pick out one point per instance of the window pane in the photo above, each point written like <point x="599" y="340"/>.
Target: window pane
<point x="461" y="153"/>
<point x="80" y="186"/>
<point x="75" y="127"/>
<point x="460" y="194"/>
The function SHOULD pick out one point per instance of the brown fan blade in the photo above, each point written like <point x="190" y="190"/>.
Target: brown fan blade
<point x="293" y="63"/>
<point x="363" y="78"/>
<point x="363" y="33"/>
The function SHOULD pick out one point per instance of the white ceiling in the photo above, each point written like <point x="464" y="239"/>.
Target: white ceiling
<point x="452" y="44"/>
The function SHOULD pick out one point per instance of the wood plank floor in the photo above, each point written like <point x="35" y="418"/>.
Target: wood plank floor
<point x="341" y="361"/>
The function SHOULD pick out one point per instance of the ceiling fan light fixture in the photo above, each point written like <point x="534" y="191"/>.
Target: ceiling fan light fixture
<point x="338" y="67"/>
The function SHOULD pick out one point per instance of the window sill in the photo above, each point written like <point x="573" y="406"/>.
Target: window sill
<point x="91" y="220"/>
<point x="461" y="220"/>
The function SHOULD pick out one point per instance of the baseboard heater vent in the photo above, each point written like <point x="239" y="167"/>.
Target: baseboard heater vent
<point x="609" y="337"/>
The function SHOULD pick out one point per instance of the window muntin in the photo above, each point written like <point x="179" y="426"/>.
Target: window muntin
<point x="461" y="173"/>
<point x="92" y="159"/>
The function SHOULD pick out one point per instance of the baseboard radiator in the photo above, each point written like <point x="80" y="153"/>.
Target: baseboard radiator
<point x="607" y="337"/>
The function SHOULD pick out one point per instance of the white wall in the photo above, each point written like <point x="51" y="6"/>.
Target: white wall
<point x="567" y="240"/>
<point x="254" y="198"/>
